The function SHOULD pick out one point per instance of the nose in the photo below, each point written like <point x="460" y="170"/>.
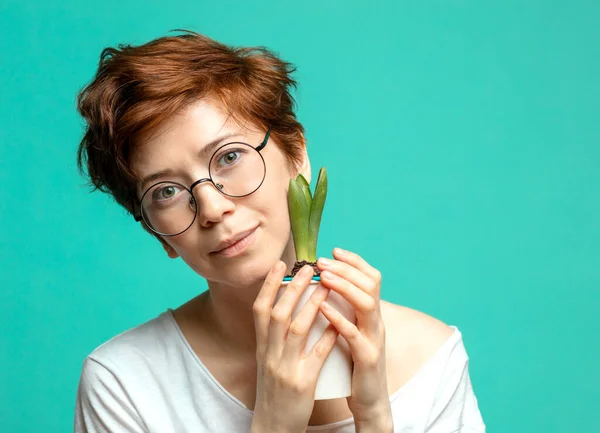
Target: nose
<point x="211" y="204"/>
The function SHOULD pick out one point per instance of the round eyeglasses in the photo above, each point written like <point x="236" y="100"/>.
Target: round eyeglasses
<point x="235" y="169"/>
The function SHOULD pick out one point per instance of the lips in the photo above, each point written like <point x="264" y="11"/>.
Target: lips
<point x="232" y="240"/>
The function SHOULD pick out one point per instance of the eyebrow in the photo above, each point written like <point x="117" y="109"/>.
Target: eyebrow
<point x="204" y="153"/>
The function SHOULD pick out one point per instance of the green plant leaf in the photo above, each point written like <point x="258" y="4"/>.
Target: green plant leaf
<point x="299" y="216"/>
<point x="316" y="211"/>
<point x="305" y="189"/>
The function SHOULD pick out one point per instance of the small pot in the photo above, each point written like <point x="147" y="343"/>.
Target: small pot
<point x="335" y="379"/>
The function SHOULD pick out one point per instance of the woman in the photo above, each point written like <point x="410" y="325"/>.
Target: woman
<point x="198" y="141"/>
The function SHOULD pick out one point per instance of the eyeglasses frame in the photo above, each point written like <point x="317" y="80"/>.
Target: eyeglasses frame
<point x="138" y="217"/>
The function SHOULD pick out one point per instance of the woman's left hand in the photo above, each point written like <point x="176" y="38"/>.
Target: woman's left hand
<point x="360" y="284"/>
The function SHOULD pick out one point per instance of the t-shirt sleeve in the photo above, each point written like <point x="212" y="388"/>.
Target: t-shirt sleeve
<point x="455" y="408"/>
<point x="103" y="404"/>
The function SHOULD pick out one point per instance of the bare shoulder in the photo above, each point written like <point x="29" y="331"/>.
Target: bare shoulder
<point x="412" y="338"/>
<point x="408" y="326"/>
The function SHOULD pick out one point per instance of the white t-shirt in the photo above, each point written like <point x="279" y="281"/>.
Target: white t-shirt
<point x="148" y="379"/>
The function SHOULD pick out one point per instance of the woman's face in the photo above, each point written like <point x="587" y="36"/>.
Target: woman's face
<point x="176" y="146"/>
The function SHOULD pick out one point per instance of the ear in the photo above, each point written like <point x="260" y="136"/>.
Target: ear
<point x="169" y="249"/>
<point x="305" y="167"/>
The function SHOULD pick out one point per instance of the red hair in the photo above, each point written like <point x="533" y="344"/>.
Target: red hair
<point x="138" y="87"/>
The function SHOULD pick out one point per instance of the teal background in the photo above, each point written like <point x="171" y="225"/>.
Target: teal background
<point x="462" y="144"/>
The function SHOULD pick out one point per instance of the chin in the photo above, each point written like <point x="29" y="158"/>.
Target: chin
<point x="246" y="271"/>
<point x="250" y="272"/>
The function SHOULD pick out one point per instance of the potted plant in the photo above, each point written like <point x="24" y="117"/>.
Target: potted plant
<point x="305" y="211"/>
<point x="305" y="218"/>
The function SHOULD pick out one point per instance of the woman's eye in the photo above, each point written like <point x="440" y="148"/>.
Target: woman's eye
<point x="229" y="158"/>
<point x="165" y="192"/>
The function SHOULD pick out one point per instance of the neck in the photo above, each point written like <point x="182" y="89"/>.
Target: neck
<point x="230" y="319"/>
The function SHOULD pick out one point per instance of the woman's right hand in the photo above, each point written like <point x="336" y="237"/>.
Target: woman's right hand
<point x="287" y="378"/>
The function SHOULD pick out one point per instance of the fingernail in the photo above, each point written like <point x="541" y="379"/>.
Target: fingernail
<point x="328" y="275"/>
<point x="307" y="270"/>
<point x="325" y="262"/>
<point x="339" y="251"/>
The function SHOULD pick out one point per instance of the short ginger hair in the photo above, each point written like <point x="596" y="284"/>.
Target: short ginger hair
<point x="135" y="88"/>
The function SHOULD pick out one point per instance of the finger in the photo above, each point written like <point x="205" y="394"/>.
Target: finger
<point x="299" y="328"/>
<point x="347" y="329"/>
<point x="281" y="313"/>
<point x="350" y="273"/>
<point x="358" y="262"/>
<point x="365" y="306"/>
<point x="264" y="302"/>
<point x="321" y="350"/>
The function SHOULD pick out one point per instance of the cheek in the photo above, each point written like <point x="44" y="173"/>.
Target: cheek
<point x="183" y="244"/>
<point x="273" y="199"/>
<point x="270" y="202"/>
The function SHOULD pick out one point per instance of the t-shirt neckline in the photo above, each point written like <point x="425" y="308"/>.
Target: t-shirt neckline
<point x="169" y="313"/>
